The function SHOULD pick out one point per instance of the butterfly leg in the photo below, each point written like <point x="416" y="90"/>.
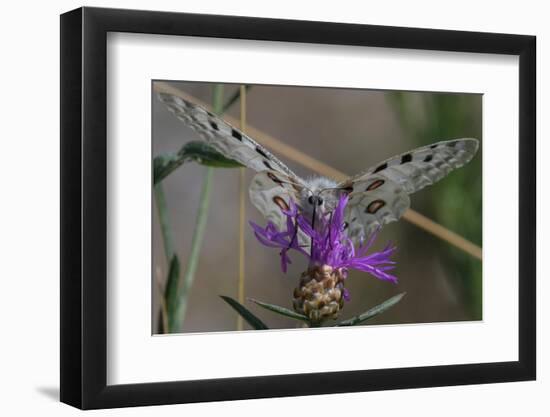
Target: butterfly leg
<point x="330" y="230"/>
<point x="295" y="235"/>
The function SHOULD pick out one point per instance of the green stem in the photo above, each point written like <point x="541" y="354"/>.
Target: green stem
<point x="233" y="99"/>
<point x="217" y="99"/>
<point x="165" y="228"/>
<point x="193" y="261"/>
<point x="176" y="321"/>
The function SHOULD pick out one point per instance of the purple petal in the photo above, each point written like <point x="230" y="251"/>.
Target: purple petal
<point x="330" y="244"/>
<point x="346" y="294"/>
<point x="285" y="260"/>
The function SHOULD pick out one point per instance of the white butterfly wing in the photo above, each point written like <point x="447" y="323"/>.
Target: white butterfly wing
<point x="380" y="195"/>
<point x="270" y="192"/>
<point x="375" y="201"/>
<point x="424" y="166"/>
<point x="226" y="139"/>
<point x="274" y="184"/>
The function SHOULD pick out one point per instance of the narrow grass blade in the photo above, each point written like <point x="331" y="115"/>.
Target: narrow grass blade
<point x="193" y="259"/>
<point x="250" y="318"/>
<point x="380" y="308"/>
<point x="165" y="227"/>
<point x="281" y="310"/>
<point x="172" y="283"/>
<point x="233" y="99"/>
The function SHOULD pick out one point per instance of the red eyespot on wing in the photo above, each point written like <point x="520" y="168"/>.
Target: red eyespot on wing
<point x="281" y="203"/>
<point x="375" y="184"/>
<point x="375" y="206"/>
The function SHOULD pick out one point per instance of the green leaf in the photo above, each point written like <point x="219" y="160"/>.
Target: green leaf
<point x="165" y="164"/>
<point x="250" y="318"/>
<point x="281" y="310"/>
<point x="197" y="151"/>
<point x="354" y="321"/>
<point x="172" y="284"/>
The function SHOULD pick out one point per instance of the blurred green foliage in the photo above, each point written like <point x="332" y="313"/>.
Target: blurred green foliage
<point x="457" y="204"/>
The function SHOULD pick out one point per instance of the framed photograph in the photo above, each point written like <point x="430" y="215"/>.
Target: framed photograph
<point x="258" y="208"/>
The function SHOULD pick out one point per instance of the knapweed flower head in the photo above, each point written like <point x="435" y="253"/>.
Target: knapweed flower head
<point x="331" y="253"/>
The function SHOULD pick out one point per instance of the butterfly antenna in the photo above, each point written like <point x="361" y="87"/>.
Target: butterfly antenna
<point x="298" y="185"/>
<point x="332" y="188"/>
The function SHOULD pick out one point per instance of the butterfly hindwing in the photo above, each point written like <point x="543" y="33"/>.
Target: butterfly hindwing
<point x="224" y="138"/>
<point x="374" y="202"/>
<point x="270" y="192"/>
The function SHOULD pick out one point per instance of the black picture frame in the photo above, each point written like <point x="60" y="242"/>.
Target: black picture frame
<point x="84" y="207"/>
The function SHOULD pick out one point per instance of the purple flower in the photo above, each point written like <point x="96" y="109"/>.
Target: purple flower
<point x="330" y="244"/>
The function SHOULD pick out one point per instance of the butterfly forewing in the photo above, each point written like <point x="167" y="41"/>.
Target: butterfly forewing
<point x="226" y="139"/>
<point x="380" y="195"/>
<point x="423" y="166"/>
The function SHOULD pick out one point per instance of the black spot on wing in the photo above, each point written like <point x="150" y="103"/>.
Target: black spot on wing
<point x="214" y="125"/>
<point x="177" y="100"/>
<point x="347" y="189"/>
<point x="433" y="146"/>
<point x="236" y="134"/>
<point x="428" y="158"/>
<point x="406" y="158"/>
<point x="380" y="168"/>
<point x="274" y="178"/>
<point x="261" y="152"/>
<point x="266" y="164"/>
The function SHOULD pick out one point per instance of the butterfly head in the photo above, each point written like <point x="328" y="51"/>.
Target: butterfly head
<point x="319" y="197"/>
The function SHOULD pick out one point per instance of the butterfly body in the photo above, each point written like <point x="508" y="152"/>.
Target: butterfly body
<point x="376" y="196"/>
<point x="318" y="196"/>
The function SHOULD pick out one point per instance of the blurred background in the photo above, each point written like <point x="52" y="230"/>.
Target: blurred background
<point x="350" y="130"/>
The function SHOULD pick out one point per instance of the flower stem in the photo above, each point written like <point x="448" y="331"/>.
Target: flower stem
<point x="168" y="243"/>
<point x="165" y="228"/>
<point x="196" y="243"/>
<point x="176" y="321"/>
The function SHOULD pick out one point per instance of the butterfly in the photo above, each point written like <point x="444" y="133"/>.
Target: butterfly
<point x="376" y="196"/>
